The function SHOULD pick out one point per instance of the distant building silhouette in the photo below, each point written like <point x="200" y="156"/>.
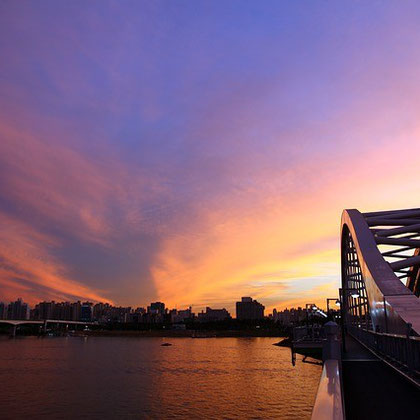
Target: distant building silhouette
<point x="105" y="313"/>
<point x="76" y="309"/>
<point x="3" y="310"/>
<point x="18" y="310"/>
<point x="44" y="310"/>
<point x="178" y="316"/>
<point x="55" y="310"/>
<point x="156" y="308"/>
<point x="86" y="312"/>
<point x="291" y="316"/>
<point x="213" y="315"/>
<point x="137" y="316"/>
<point x="249" y="309"/>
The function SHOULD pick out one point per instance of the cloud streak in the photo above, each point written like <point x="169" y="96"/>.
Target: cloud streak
<point x="195" y="155"/>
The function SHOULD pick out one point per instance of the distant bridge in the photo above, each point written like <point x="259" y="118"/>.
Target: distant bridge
<point x="17" y="322"/>
<point x="379" y="370"/>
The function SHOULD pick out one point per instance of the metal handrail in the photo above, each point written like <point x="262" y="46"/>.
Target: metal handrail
<point x="403" y="351"/>
<point x="329" y="402"/>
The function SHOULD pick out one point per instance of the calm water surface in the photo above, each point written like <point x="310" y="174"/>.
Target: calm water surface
<point x="100" y="377"/>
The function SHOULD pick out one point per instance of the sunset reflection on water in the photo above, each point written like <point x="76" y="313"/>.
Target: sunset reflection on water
<point x="129" y="377"/>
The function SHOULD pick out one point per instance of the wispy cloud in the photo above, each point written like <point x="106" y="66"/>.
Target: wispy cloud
<point x="27" y="266"/>
<point x="150" y="152"/>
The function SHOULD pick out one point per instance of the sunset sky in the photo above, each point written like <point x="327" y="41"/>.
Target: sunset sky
<point x="195" y="152"/>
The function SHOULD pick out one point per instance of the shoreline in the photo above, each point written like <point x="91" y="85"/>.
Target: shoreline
<point x="178" y="334"/>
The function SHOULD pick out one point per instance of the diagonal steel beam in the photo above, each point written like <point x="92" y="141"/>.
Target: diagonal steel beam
<point x="395" y="251"/>
<point x="381" y="221"/>
<point x="398" y="230"/>
<point x="397" y="241"/>
<point x="409" y="262"/>
<point x="398" y="256"/>
<point x="388" y="212"/>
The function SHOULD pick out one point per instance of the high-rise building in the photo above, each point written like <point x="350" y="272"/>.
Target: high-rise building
<point x="248" y="308"/>
<point x="86" y="312"/>
<point x="76" y="309"/>
<point x="44" y="310"/>
<point x="3" y="310"/>
<point x="156" y="308"/>
<point x="63" y="311"/>
<point x="137" y="316"/>
<point x="18" y="310"/>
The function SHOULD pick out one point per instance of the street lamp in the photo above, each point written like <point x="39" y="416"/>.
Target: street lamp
<point x="335" y="300"/>
<point x="354" y="293"/>
<point x="329" y="310"/>
<point x="309" y="307"/>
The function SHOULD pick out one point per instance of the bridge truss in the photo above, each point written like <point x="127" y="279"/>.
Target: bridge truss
<point x="380" y="270"/>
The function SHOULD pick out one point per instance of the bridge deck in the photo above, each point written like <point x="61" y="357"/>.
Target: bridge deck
<point x="373" y="390"/>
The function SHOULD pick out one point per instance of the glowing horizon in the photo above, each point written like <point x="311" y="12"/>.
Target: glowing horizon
<point x="195" y="154"/>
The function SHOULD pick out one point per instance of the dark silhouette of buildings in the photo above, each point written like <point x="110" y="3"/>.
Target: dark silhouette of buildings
<point x="292" y="316"/>
<point x="57" y="310"/>
<point x="249" y="309"/>
<point x="86" y="312"/>
<point x="105" y="313"/>
<point x="213" y="315"/>
<point x="181" y="316"/>
<point x="156" y="308"/>
<point x="15" y="310"/>
<point x="3" y="311"/>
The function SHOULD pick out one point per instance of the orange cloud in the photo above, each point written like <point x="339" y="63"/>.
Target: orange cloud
<point x="234" y="240"/>
<point x="27" y="267"/>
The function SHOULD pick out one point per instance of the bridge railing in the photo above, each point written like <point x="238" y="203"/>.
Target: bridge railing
<point x="329" y="400"/>
<point x="329" y="403"/>
<point x="401" y="350"/>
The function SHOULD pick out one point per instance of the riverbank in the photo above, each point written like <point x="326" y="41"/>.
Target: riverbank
<point x="178" y="333"/>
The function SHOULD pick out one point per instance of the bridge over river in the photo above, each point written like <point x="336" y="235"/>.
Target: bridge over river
<point x="374" y="372"/>
<point x="15" y="323"/>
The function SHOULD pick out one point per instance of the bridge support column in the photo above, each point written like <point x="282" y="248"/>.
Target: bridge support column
<point x="45" y="327"/>
<point x="13" y="333"/>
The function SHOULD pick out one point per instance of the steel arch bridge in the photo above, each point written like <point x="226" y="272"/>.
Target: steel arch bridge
<point x="380" y="263"/>
<point x="380" y="272"/>
<point x="380" y="315"/>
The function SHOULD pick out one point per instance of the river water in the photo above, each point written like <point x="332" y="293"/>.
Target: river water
<point x="206" y="378"/>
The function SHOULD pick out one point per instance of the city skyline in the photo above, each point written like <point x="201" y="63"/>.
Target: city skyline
<point x="246" y="309"/>
<point x="189" y="155"/>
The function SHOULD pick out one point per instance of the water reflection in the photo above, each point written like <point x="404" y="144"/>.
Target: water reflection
<point x="127" y="377"/>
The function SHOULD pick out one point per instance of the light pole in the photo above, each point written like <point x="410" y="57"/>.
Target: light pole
<point x="335" y="300"/>
<point x="309" y="307"/>
<point x="343" y="300"/>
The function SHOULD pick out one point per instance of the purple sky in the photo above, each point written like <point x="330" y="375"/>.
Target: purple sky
<point x="198" y="151"/>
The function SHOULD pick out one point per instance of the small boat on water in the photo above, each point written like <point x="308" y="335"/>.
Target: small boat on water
<point x="166" y="344"/>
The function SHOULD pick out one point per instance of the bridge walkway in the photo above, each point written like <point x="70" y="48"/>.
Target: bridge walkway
<point x="374" y="390"/>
